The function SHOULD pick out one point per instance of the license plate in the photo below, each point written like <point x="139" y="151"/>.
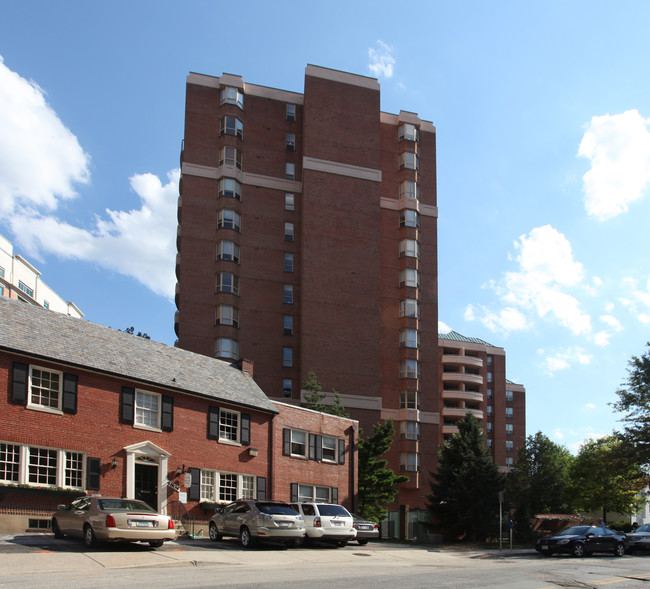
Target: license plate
<point x="544" y="547"/>
<point x="363" y="527"/>
<point x="140" y="524"/>
<point x="284" y="524"/>
<point x="337" y="523"/>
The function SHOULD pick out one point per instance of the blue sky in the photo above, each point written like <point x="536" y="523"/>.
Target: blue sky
<point x="543" y="120"/>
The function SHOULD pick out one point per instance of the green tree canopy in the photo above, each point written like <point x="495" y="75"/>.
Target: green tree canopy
<point x="465" y="488"/>
<point x="606" y="476"/>
<point x="634" y="402"/>
<point x="377" y="482"/>
<point x="315" y="397"/>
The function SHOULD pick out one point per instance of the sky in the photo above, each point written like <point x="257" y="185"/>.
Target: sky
<point x="542" y="113"/>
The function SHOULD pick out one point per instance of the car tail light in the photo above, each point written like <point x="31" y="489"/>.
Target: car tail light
<point x="110" y="522"/>
<point x="170" y="525"/>
<point x="317" y="522"/>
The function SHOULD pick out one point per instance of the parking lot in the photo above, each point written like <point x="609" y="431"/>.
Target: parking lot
<point x="39" y="559"/>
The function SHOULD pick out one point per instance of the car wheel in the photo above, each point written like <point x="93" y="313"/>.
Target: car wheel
<point x="578" y="549"/>
<point x="362" y="542"/>
<point x="619" y="550"/>
<point x="246" y="538"/>
<point x="297" y="543"/>
<point x="156" y="543"/>
<point x="215" y="536"/>
<point x="341" y="543"/>
<point x="58" y="534"/>
<point x="89" y="536"/>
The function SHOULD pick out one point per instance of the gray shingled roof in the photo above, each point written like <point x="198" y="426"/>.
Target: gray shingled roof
<point x="455" y="336"/>
<point x="37" y="332"/>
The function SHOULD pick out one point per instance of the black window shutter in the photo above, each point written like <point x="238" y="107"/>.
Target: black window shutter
<point x="70" y="393"/>
<point x="213" y="423"/>
<point x="245" y="438"/>
<point x="319" y="448"/>
<point x="286" y="442"/>
<point x="167" y="417"/>
<point x="93" y="473"/>
<point x="294" y="492"/>
<point x="335" y="495"/>
<point x="341" y="451"/>
<point x="19" y="378"/>
<point x="312" y="446"/>
<point x="128" y="404"/>
<point x="195" y="487"/>
<point x="261" y="488"/>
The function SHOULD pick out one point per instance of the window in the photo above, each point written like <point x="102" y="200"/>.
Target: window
<point x="232" y="126"/>
<point x="409" y="248"/>
<point x="409" y="338"/>
<point x="147" y="409"/>
<point x="288" y="324"/>
<point x="287" y="387"/>
<point x="287" y="357"/>
<point x="409" y="308"/>
<point x="409" y="400"/>
<point x="288" y="232"/>
<point x="227" y="315"/>
<point x="510" y="461"/>
<point x="291" y="141"/>
<point x="509" y="396"/>
<point x="510" y="445"/>
<point x="228" y="282"/>
<point x="226" y="486"/>
<point x="288" y="262"/>
<point x="74" y="469"/>
<point x="289" y="201"/>
<point x="290" y="171"/>
<point x="229" y="156"/>
<point x="329" y="449"/>
<point x="9" y="463"/>
<point x="490" y="360"/>
<point x="409" y="430"/>
<point x="490" y="410"/>
<point x="315" y="493"/>
<point x="409" y="189"/>
<point x="2" y="272"/>
<point x="510" y="412"/>
<point x="490" y="425"/>
<point x="45" y="389"/>
<point x="288" y="293"/>
<point x="298" y="440"/>
<point x="228" y="250"/>
<point x="41" y="466"/>
<point x="409" y="277"/>
<point x="409" y="160"/>
<point x="46" y="304"/>
<point x="490" y="377"/>
<point x="228" y="425"/>
<point x="2" y="290"/>
<point x="28" y="291"/>
<point x="225" y="347"/>
<point x="409" y="369"/>
<point x="489" y="443"/>
<point x="208" y="478"/>
<point x="408" y="132"/>
<point x="490" y="394"/>
<point x="230" y="187"/>
<point x="228" y="219"/>
<point x="291" y="112"/>
<point x="509" y="428"/>
<point x="409" y="218"/>
<point x="231" y="95"/>
<point x="409" y="461"/>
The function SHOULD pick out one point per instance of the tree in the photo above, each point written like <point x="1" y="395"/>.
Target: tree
<point x="634" y="401"/>
<point x="539" y="481"/>
<point x="606" y="476"/>
<point x="377" y="482"/>
<point x="315" y="397"/>
<point x="465" y="489"/>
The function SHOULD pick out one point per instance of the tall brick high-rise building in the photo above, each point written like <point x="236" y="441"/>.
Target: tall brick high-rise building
<point x="307" y="241"/>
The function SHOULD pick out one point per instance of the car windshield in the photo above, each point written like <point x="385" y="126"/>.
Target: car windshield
<point x="574" y="531"/>
<point x="123" y="505"/>
<point x="333" y="510"/>
<point x="275" y="509"/>
<point x="644" y="528"/>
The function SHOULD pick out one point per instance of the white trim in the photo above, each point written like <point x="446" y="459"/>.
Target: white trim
<point x="342" y="77"/>
<point x="148" y="449"/>
<point x="330" y="167"/>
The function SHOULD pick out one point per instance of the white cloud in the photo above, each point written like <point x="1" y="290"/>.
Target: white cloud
<point x="590" y="406"/>
<point x="564" y="359"/>
<point x="139" y="243"/>
<point x="40" y="159"/>
<point x="610" y="320"/>
<point x="443" y="327"/>
<point x="546" y="270"/>
<point x="644" y="318"/>
<point x="381" y="61"/>
<point x="619" y="149"/>
<point x="602" y="338"/>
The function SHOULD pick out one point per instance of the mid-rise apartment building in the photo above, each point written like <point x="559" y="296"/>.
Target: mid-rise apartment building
<point x="307" y="241"/>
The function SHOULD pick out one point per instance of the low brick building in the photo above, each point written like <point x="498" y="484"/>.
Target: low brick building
<point x="89" y="409"/>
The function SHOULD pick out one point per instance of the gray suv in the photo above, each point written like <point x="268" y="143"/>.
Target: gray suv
<point x="252" y="521"/>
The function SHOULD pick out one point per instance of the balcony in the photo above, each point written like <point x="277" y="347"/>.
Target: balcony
<point x="463" y="396"/>
<point x="459" y="360"/>
<point x="462" y="377"/>
<point x="461" y="412"/>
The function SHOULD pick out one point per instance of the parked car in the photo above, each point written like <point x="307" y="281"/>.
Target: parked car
<point x="639" y="539"/>
<point x="366" y="530"/>
<point x="112" y="519"/>
<point x="581" y="540"/>
<point x="253" y="521"/>
<point x="327" y="522"/>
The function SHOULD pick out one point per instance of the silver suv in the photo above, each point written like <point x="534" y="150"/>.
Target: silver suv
<point x="327" y="522"/>
<point x="253" y="521"/>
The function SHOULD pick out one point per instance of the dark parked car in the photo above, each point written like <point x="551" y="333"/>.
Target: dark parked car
<point x="581" y="540"/>
<point x="639" y="539"/>
<point x="366" y="530"/>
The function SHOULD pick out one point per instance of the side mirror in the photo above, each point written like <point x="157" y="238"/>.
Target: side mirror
<point x="590" y="535"/>
<point x="62" y="507"/>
